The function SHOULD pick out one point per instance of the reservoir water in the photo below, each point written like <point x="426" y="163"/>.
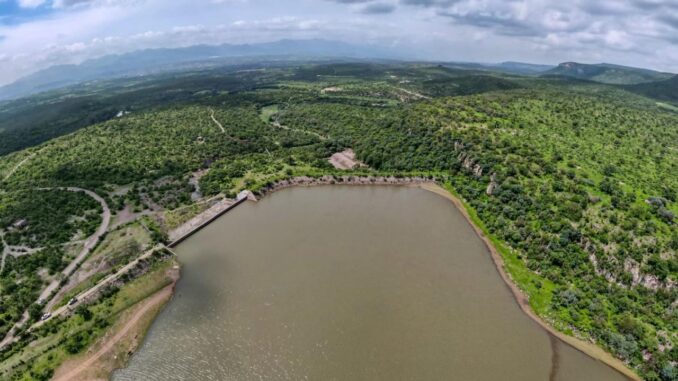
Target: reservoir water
<point x="348" y="283"/>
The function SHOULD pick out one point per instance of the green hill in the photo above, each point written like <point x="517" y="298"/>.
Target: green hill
<point x="666" y="90"/>
<point x="608" y="73"/>
<point x="30" y="121"/>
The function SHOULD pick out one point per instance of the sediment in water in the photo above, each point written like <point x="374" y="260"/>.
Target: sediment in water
<point x="428" y="184"/>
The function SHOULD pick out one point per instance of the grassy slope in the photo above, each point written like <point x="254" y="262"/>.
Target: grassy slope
<point x="538" y="289"/>
<point x="50" y="349"/>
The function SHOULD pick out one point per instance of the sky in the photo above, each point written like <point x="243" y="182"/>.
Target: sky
<point x="36" y="34"/>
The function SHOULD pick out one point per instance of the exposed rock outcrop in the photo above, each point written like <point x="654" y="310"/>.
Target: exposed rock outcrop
<point x="492" y="186"/>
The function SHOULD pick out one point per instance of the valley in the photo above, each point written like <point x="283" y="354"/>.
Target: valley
<point x="573" y="182"/>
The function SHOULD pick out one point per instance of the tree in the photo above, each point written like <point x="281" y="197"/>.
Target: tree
<point x="84" y="312"/>
<point x="35" y="311"/>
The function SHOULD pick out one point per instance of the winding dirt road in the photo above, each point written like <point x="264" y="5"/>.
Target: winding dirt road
<point x="90" y="243"/>
<point x="277" y="124"/>
<point x="223" y="130"/>
<point x="217" y="122"/>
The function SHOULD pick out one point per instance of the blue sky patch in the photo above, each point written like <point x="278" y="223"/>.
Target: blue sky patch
<point x="12" y="14"/>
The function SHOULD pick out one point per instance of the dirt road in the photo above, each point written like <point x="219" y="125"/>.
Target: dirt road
<point x="412" y="93"/>
<point x="148" y="304"/>
<point x="86" y="294"/>
<point x="223" y="130"/>
<point x="16" y="167"/>
<point x="277" y="124"/>
<point x="5" y="251"/>
<point x="90" y="243"/>
<point x="15" y="251"/>
<point x="217" y="122"/>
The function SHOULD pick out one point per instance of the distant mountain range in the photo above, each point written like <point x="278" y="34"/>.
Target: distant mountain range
<point x="522" y="67"/>
<point x="509" y="67"/>
<point x="608" y="73"/>
<point x="152" y="61"/>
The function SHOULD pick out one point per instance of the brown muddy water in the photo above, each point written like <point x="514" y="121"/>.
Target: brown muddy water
<point x="348" y="283"/>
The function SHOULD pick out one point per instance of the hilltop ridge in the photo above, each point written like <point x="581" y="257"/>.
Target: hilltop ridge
<point x="608" y="73"/>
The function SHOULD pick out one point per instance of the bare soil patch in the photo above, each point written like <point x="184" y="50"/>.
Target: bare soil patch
<point x="345" y="160"/>
<point x="332" y="89"/>
<point x="114" y="349"/>
<point x="127" y="215"/>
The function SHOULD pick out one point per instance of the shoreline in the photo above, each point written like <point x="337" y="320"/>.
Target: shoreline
<point x="307" y="181"/>
<point x="429" y="184"/>
<point x="590" y="349"/>
<point x="128" y="334"/>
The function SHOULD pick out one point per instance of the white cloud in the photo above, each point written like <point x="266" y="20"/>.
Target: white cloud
<point x="60" y="4"/>
<point x="635" y="32"/>
<point x="30" y="3"/>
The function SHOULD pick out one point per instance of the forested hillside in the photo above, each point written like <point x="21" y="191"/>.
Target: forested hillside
<point x="608" y="73"/>
<point x="666" y="90"/>
<point x="576" y="182"/>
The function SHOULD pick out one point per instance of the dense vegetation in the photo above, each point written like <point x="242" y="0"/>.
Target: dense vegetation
<point x="48" y="215"/>
<point x="576" y="182"/>
<point x="52" y="218"/>
<point x="60" y="339"/>
<point x="608" y="73"/>
<point x="21" y="283"/>
<point x="666" y="90"/>
<point x="584" y="191"/>
<point x="30" y="121"/>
